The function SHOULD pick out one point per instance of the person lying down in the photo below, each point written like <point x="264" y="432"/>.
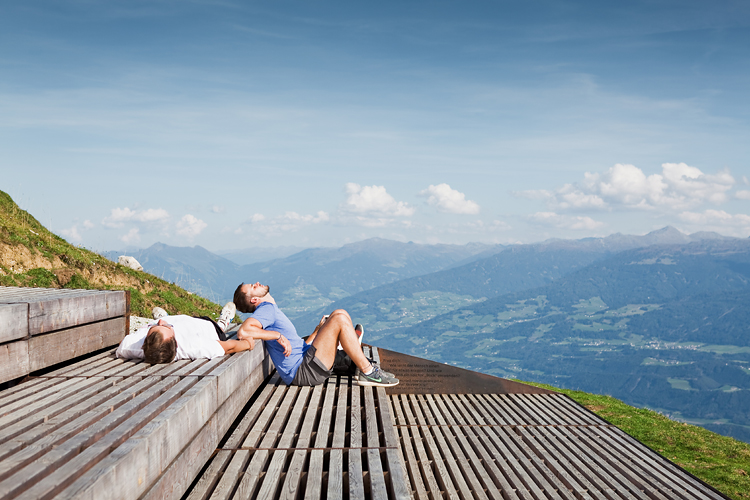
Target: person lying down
<point x="172" y="338"/>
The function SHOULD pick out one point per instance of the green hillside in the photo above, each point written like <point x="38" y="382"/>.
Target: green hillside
<point x="32" y="256"/>
<point x="720" y="461"/>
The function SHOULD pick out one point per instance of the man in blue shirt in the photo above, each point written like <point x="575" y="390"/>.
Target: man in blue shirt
<point x="300" y="362"/>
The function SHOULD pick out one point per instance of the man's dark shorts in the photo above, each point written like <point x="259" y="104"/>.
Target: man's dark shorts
<point x="313" y="372"/>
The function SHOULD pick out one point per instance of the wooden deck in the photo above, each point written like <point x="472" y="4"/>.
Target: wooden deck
<point x="42" y="327"/>
<point x="339" y="441"/>
<point x="109" y="428"/>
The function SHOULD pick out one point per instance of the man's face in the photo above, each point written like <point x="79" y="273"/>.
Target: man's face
<point x="256" y="290"/>
<point x="165" y="329"/>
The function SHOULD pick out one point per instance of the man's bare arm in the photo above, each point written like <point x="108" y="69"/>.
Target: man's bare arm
<point x="252" y="329"/>
<point x="232" y="346"/>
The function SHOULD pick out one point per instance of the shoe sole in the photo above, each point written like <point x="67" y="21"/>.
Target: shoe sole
<point x="367" y="383"/>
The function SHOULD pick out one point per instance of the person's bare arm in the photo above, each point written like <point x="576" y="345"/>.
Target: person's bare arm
<point x="232" y="346"/>
<point x="252" y="329"/>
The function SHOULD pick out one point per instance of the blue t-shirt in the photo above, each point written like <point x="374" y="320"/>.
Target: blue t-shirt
<point x="270" y="316"/>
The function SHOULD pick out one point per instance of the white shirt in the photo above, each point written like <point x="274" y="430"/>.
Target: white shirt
<point x="196" y="338"/>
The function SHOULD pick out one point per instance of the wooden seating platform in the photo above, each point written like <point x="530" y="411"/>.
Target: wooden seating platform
<point x="339" y="441"/>
<point x="41" y="327"/>
<point x="110" y="428"/>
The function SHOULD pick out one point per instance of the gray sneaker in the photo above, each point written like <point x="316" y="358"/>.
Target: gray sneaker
<point x="227" y="315"/>
<point x="158" y="313"/>
<point x="377" y="378"/>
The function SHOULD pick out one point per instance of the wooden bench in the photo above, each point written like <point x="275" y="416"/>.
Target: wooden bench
<point x="42" y="327"/>
<point x="110" y="428"/>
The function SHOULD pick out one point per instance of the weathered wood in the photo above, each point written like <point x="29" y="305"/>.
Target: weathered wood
<point x="14" y="322"/>
<point x="66" y="311"/>
<point x="14" y="360"/>
<point x="399" y="486"/>
<point x="53" y="348"/>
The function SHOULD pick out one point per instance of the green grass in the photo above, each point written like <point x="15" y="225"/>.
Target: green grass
<point x="720" y="461"/>
<point x="70" y="264"/>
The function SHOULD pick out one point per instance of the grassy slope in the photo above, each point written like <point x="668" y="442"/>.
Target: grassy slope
<point x="720" y="461"/>
<point x="32" y="256"/>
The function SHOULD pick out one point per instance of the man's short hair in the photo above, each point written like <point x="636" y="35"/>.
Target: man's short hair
<point x="242" y="300"/>
<point x="156" y="350"/>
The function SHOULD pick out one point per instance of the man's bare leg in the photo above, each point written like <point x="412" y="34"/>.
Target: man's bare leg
<point x="337" y="329"/>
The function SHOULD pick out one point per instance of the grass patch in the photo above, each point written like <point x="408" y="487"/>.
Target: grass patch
<point x="720" y="461"/>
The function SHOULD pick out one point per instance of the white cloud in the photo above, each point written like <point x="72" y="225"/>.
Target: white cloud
<point x="565" y="221"/>
<point x="72" y="233"/>
<point x="289" y="221"/>
<point x="745" y="180"/>
<point x="118" y="216"/>
<point x="131" y="237"/>
<point x="715" y="218"/>
<point x="743" y="195"/>
<point x="217" y="209"/>
<point x="678" y="187"/>
<point x="87" y="224"/>
<point x="374" y="201"/>
<point x="257" y="218"/>
<point x="190" y="226"/>
<point x="448" y="200"/>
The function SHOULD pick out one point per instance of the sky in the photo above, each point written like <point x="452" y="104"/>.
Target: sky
<point x="260" y="124"/>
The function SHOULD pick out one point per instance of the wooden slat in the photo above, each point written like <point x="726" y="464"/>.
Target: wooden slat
<point x="14" y="322"/>
<point x="294" y="474"/>
<point x="336" y="456"/>
<point x="14" y="360"/>
<point x="399" y="486"/>
<point x="356" y="478"/>
<point x="25" y="390"/>
<point x="209" y="479"/>
<point x="494" y="467"/>
<point x="66" y="311"/>
<point x="73" y="369"/>
<point x="47" y="350"/>
<point x="378" y="488"/>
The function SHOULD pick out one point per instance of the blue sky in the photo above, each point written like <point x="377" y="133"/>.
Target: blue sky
<point x="241" y="124"/>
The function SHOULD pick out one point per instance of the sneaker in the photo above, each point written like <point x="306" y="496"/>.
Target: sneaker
<point x="227" y="315"/>
<point x="377" y="378"/>
<point x="359" y="330"/>
<point x="158" y="313"/>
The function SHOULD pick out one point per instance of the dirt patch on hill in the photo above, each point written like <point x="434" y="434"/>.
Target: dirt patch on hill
<point x="19" y="259"/>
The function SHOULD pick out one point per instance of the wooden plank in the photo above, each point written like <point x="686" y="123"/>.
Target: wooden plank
<point x="619" y="483"/>
<point x="503" y="417"/>
<point x="25" y="390"/>
<point x="47" y="350"/>
<point x="458" y="474"/>
<point x="275" y="469"/>
<point x="673" y="477"/>
<point x="14" y="360"/>
<point x="493" y="468"/>
<point x="210" y="478"/>
<point x="356" y="477"/>
<point x="470" y="460"/>
<point x="398" y="486"/>
<point x="560" y="465"/>
<point x="519" y="477"/>
<point x="536" y="467"/>
<point x="529" y="403"/>
<point x="378" y="488"/>
<point x="81" y="391"/>
<point x="109" y="448"/>
<point x="314" y="485"/>
<point x="581" y="412"/>
<point x="526" y="416"/>
<point x="59" y="312"/>
<point x="412" y="465"/>
<point x="294" y="474"/>
<point x="45" y="429"/>
<point x="62" y="464"/>
<point x="58" y="430"/>
<point x="336" y="456"/>
<point x="250" y="479"/>
<point x="88" y="367"/>
<point x="648" y="481"/>
<point x="14" y="322"/>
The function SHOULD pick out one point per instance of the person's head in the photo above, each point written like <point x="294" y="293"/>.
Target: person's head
<point x="160" y="345"/>
<point x="248" y="296"/>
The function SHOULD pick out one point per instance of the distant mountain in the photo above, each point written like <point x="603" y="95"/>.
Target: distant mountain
<point x="193" y="268"/>
<point x="307" y="280"/>
<point x="258" y="254"/>
<point x="666" y="326"/>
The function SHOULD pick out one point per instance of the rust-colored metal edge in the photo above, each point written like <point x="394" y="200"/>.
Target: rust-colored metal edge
<point x="422" y="376"/>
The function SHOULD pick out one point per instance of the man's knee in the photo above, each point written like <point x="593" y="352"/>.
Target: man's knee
<point x="340" y="314"/>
